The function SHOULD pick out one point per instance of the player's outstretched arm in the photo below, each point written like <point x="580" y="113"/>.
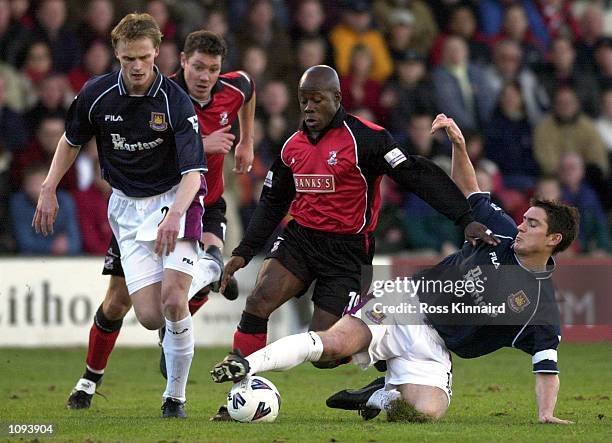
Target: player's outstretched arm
<point x="244" y="149"/>
<point x="462" y="170"/>
<point x="47" y="207"/>
<point x="547" y="388"/>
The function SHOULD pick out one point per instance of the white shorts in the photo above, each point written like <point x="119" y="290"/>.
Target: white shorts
<point x="134" y="222"/>
<point x="415" y="354"/>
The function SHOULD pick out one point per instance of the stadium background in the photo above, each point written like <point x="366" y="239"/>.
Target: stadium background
<point x="526" y="64"/>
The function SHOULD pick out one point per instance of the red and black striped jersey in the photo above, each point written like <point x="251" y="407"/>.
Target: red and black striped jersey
<point x="229" y="93"/>
<point x="332" y="184"/>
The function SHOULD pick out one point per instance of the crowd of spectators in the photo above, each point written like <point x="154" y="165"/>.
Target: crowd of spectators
<point x="528" y="81"/>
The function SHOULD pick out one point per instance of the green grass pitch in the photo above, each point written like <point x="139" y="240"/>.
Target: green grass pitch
<point x="493" y="401"/>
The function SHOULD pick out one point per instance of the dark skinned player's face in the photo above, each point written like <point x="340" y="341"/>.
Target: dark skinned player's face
<point x="318" y="108"/>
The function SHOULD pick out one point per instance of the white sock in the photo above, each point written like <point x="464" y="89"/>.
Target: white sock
<point x="381" y="398"/>
<point x="207" y="271"/>
<point x="178" y="347"/>
<point x="287" y="353"/>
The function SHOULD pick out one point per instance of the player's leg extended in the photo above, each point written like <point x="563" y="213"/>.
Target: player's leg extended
<point x="102" y="337"/>
<point x="419" y="373"/>
<point x="275" y="285"/>
<point x="178" y="341"/>
<point x="208" y="268"/>
<point x="346" y="337"/>
<point x="104" y="331"/>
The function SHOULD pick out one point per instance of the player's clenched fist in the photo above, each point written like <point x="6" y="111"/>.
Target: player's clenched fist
<point x="234" y="263"/>
<point x="219" y="141"/>
<point x="452" y="130"/>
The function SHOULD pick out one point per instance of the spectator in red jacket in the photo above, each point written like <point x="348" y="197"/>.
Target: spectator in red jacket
<point x="91" y="206"/>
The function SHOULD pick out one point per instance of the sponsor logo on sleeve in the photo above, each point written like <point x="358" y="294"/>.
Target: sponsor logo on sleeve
<point x="314" y="183"/>
<point x="268" y="179"/>
<point x="158" y="121"/>
<point x="394" y="157"/>
<point x="194" y="122"/>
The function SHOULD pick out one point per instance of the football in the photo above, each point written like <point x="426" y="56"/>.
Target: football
<point x="254" y="399"/>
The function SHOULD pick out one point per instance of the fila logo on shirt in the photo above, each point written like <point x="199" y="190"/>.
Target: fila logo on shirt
<point x="112" y="118"/>
<point x="494" y="260"/>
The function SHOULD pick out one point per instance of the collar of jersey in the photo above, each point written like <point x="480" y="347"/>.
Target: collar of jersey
<point x="153" y="90"/>
<point x="336" y="122"/>
<point x="539" y="275"/>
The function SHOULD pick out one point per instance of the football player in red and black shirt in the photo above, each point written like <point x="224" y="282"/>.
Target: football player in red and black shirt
<point x="218" y="100"/>
<point x="328" y="177"/>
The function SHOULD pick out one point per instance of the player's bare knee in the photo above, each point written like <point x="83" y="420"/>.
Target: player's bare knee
<point x="432" y="412"/>
<point x="150" y="320"/>
<point x="431" y="408"/>
<point x="174" y="305"/>
<point x="259" y="303"/>
<point x="117" y="302"/>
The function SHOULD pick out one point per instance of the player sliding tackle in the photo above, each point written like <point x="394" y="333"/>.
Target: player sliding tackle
<point x="517" y="270"/>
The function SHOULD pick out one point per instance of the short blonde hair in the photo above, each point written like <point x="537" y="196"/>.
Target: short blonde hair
<point x="136" y="26"/>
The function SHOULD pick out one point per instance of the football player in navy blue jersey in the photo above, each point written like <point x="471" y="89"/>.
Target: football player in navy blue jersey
<point x="151" y="153"/>
<point x="517" y="274"/>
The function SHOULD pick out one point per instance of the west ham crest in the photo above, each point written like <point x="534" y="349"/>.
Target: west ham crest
<point x="518" y="301"/>
<point x="158" y="121"/>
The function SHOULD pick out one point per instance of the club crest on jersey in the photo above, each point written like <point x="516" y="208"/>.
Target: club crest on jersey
<point x="158" y="121"/>
<point x="223" y="120"/>
<point x="375" y="316"/>
<point x="314" y="182"/>
<point x="332" y="160"/>
<point x="518" y="301"/>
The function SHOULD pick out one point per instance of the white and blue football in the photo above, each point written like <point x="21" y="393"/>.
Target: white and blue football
<point x="254" y="399"/>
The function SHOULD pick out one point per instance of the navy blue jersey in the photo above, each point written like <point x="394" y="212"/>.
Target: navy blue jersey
<point x="145" y="143"/>
<point x="531" y="321"/>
